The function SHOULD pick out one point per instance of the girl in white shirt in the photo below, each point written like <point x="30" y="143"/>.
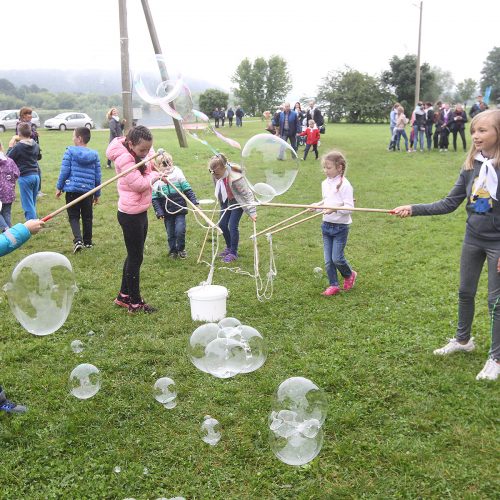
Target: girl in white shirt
<point x="337" y="192"/>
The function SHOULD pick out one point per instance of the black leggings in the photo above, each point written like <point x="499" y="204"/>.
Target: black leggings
<point x="135" y="230"/>
<point x="83" y="210"/>
<point x="462" y="135"/>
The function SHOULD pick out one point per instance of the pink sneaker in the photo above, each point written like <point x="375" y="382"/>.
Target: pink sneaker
<point x="349" y="282"/>
<point x="331" y="290"/>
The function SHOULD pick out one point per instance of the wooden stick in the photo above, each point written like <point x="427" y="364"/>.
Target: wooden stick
<point x="191" y="204"/>
<point x="92" y="191"/>
<point x="279" y="223"/>
<point x="206" y="236"/>
<point x="294" y="223"/>
<point x="322" y="207"/>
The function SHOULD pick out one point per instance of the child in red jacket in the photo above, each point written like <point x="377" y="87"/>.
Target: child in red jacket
<point x="312" y="138"/>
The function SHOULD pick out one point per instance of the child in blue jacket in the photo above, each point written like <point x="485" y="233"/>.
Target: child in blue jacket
<point x="11" y="239"/>
<point x="80" y="172"/>
<point x="170" y="206"/>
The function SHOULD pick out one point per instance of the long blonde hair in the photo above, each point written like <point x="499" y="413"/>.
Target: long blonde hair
<point x="338" y="159"/>
<point x="109" y="115"/>
<point x="494" y="116"/>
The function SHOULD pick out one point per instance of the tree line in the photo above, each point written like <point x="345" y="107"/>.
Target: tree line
<point x="351" y="95"/>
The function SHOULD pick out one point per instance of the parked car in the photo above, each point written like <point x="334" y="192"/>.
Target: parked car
<point x="10" y="117"/>
<point x="70" y="120"/>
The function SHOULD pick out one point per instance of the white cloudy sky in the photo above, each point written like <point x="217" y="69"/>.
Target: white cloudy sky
<point x="208" y="39"/>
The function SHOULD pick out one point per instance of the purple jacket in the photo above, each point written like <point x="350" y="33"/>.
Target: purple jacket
<point x="9" y="173"/>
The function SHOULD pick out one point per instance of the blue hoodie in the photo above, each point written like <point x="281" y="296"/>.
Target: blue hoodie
<point x="80" y="171"/>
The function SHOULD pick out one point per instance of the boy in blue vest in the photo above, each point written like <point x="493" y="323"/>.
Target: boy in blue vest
<point x="80" y="172"/>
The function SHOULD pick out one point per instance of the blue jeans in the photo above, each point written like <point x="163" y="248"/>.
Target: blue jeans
<point x="176" y="232"/>
<point x="401" y="133"/>
<point x="5" y="216"/>
<point x="428" y="135"/>
<point x="419" y="136"/>
<point x="229" y="225"/>
<point x="334" y="242"/>
<point x="28" y="189"/>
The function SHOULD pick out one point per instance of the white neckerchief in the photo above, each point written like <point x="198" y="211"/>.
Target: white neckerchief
<point x="487" y="177"/>
<point x="117" y="118"/>
<point x="220" y="187"/>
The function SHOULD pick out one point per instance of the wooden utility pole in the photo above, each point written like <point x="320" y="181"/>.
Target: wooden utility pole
<point x="181" y="136"/>
<point x="417" y="79"/>
<point x="125" y="67"/>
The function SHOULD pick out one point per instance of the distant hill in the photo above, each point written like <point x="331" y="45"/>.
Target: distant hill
<point x="104" y="82"/>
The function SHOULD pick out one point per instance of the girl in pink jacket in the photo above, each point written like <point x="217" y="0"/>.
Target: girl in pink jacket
<point x="134" y="190"/>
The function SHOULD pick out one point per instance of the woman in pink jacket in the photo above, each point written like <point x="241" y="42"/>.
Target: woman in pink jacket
<point x="134" y="190"/>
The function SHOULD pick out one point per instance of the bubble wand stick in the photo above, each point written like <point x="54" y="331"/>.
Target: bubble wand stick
<point x="294" y="223"/>
<point x="322" y="207"/>
<point x="109" y="181"/>
<point x="279" y="223"/>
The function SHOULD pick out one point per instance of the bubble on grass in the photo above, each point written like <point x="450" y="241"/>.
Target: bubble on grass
<point x="91" y="333"/>
<point x="77" y="346"/>
<point x="41" y="292"/>
<point x="117" y="469"/>
<point x="145" y="471"/>
<point x="210" y="430"/>
<point x="85" y="381"/>
<point x="318" y="272"/>
<point x="295" y="423"/>
<point x="165" y="392"/>
<point x="227" y="349"/>
<point x="270" y="166"/>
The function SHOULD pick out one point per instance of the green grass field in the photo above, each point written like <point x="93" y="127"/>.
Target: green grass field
<point x="401" y="424"/>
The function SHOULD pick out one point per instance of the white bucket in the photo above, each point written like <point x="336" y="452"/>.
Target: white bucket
<point x="208" y="302"/>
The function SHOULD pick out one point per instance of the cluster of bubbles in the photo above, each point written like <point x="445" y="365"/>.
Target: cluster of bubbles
<point x="318" y="272"/>
<point x="41" y="292"/>
<point x="210" y="430"/>
<point x="165" y="392"/>
<point x="227" y="348"/>
<point x="295" y="423"/>
<point x="270" y="165"/>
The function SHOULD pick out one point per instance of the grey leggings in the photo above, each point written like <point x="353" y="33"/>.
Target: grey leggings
<point x="471" y="264"/>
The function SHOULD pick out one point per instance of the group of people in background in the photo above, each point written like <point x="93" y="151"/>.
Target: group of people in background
<point x="300" y="128"/>
<point x="431" y="125"/>
<point x="220" y="115"/>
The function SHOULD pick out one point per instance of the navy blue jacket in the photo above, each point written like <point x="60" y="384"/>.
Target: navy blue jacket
<point x="25" y="155"/>
<point x="292" y="123"/>
<point x="80" y="171"/>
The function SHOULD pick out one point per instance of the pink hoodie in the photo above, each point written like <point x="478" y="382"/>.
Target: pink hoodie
<point x="134" y="189"/>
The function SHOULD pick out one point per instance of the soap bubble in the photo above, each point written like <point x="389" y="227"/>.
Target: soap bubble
<point x="77" y="346"/>
<point x="270" y="166"/>
<point x="41" y="292"/>
<point x="91" y="333"/>
<point x="165" y="393"/>
<point x="225" y="351"/>
<point x="295" y="423"/>
<point x="85" y="381"/>
<point x="318" y="272"/>
<point x="117" y="469"/>
<point x="145" y="471"/>
<point x="210" y="430"/>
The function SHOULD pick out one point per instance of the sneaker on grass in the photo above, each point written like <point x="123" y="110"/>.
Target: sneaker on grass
<point x="490" y="371"/>
<point x="122" y="300"/>
<point x="331" y="290"/>
<point x="10" y="406"/>
<point x="77" y="247"/>
<point x="141" y="306"/>
<point x="454" y="345"/>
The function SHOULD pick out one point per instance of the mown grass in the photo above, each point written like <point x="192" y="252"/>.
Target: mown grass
<point x="402" y="423"/>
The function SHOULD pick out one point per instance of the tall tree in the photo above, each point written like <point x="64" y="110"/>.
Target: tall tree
<point x="261" y="85"/>
<point x="402" y="78"/>
<point x="491" y="74"/>
<point x="211" y="99"/>
<point x="465" y="90"/>
<point x="355" y="97"/>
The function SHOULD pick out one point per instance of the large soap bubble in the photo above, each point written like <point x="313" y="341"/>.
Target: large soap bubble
<point x="165" y="392"/>
<point x="299" y="411"/>
<point x="85" y="381"/>
<point x="41" y="292"/>
<point x="210" y="430"/>
<point x="227" y="348"/>
<point x="270" y="166"/>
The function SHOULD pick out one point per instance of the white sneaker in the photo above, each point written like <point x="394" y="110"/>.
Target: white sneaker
<point x="454" y="345"/>
<point x="490" y="371"/>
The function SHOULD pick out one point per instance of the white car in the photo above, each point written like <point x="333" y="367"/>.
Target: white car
<point x="70" y="120"/>
<point x="10" y="117"/>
